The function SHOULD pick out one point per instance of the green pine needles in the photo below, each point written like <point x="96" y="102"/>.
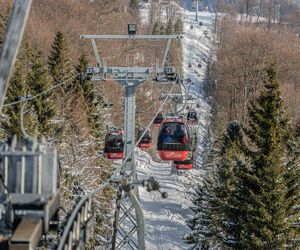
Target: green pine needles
<point x="253" y="200"/>
<point x="60" y="67"/>
<point x="30" y="77"/>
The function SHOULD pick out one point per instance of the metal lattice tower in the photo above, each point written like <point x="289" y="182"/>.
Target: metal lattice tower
<point x="129" y="218"/>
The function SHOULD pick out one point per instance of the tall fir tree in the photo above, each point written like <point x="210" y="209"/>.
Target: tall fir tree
<point x="94" y="102"/>
<point x="60" y="67"/>
<point x="225" y="223"/>
<point x="86" y="85"/>
<point x="38" y="80"/>
<point x="11" y="124"/>
<point x="215" y="221"/>
<point x="254" y="203"/>
<point x="202" y="236"/>
<point x="18" y="88"/>
<point x="268" y="202"/>
<point x="30" y="76"/>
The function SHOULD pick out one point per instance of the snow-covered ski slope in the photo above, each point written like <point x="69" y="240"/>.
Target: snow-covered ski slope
<point x="165" y="219"/>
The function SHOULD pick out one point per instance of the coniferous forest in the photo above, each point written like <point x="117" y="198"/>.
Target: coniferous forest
<point x="250" y="198"/>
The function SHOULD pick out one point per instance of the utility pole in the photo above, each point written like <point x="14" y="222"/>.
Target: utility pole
<point x="129" y="218"/>
<point x="10" y="48"/>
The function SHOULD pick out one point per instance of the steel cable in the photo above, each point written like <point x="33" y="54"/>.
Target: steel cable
<point x="42" y="93"/>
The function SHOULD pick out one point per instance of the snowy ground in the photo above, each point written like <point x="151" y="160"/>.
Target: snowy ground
<point x="165" y="219"/>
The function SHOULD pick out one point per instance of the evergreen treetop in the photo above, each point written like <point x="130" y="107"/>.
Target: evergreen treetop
<point x="60" y="67"/>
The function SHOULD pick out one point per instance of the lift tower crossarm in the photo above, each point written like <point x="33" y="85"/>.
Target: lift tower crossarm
<point x="136" y="37"/>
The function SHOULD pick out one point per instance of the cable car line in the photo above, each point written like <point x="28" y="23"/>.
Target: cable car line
<point x="41" y="93"/>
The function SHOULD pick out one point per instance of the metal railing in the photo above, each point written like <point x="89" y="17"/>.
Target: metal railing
<point x="79" y="221"/>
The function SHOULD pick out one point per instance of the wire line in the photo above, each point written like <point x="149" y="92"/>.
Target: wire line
<point x="40" y="94"/>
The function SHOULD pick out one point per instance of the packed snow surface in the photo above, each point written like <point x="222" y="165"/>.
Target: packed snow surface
<point x="165" y="219"/>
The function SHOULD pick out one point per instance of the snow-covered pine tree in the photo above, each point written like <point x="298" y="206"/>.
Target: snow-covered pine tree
<point x="268" y="205"/>
<point x="215" y="222"/>
<point x="82" y="138"/>
<point x="94" y="102"/>
<point x="202" y="236"/>
<point x="225" y="222"/>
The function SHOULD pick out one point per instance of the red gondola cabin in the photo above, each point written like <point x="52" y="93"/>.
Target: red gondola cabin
<point x="173" y="142"/>
<point x="114" y="145"/>
<point x="146" y="140"/>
